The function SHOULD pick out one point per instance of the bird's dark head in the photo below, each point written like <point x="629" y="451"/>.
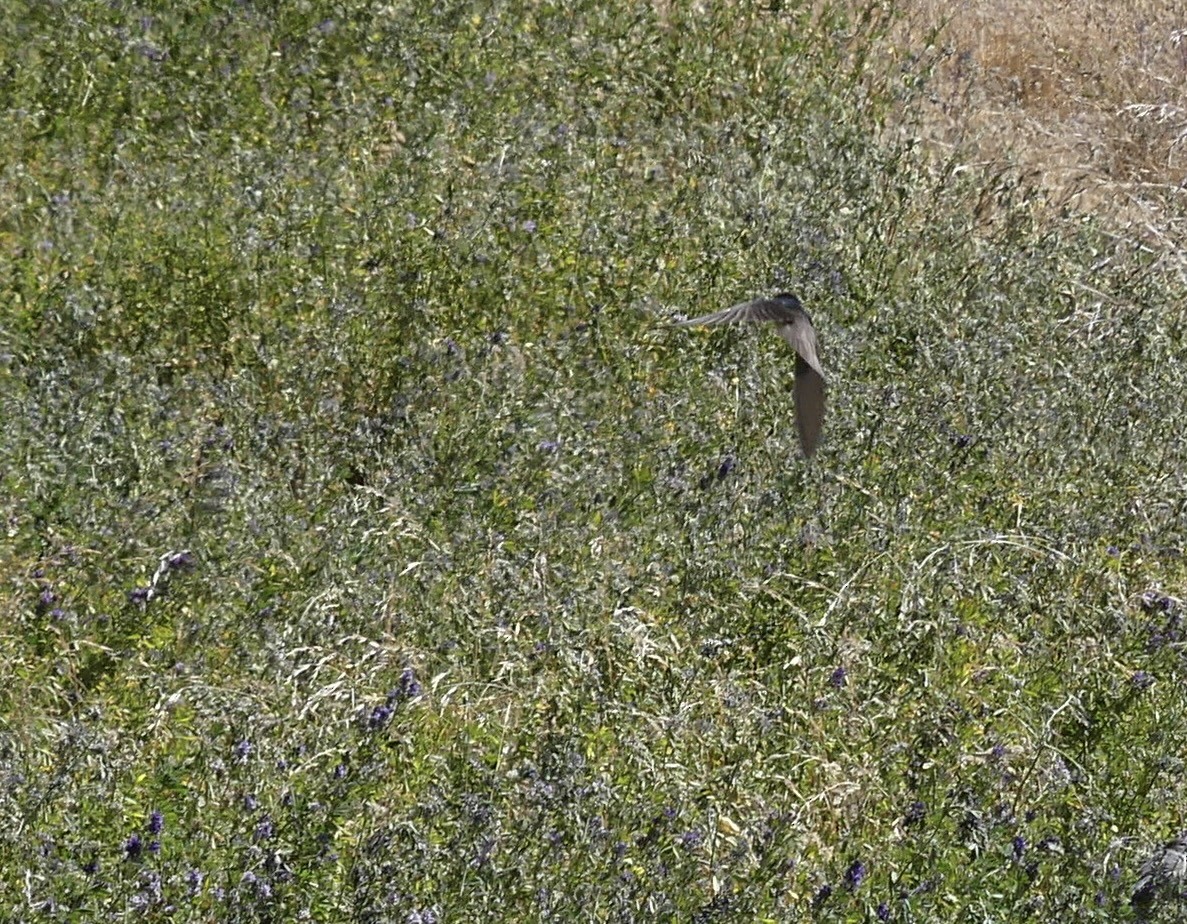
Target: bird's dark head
<point x="788" y="299"/>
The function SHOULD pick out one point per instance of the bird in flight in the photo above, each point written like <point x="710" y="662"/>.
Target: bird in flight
<point x="793" y="325"/>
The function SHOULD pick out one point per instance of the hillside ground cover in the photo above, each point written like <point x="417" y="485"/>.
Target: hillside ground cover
<point x="374" y="550"/>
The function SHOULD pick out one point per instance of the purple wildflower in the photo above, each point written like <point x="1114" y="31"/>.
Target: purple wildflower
<point x="1141" y="681"/>
<point x="408" y="687"/>
<point x="1153" y="600"/>
<point x="855" y="875"/>
<point x="380" y="716"/>
<point x="156" y="822"/>
<point x="260" y="886"/>
<point x="133" y="847"/>
<point x="916" y="812"/>
<point x="839" y="677"/>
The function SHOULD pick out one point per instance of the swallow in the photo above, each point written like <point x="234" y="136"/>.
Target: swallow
<point x="793" y="324"/>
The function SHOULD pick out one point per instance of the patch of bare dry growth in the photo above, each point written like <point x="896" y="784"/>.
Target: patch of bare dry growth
<point x="1089" y="95"/>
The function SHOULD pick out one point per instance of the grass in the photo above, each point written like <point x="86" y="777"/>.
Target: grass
<point x="1084" y="96"/>
<point x="373" y="551"/>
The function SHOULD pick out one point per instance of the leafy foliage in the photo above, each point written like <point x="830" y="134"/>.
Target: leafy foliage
<point x="374" y="551"/>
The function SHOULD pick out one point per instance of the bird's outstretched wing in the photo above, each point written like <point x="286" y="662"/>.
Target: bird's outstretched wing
<point x="792" y="321"/>
<point x="800" y="333"/>
<point x="808" y="393"/>
<point x="755" y="312"/>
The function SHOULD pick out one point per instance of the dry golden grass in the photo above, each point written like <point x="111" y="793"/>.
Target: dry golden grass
<point x="1088" y="96"/>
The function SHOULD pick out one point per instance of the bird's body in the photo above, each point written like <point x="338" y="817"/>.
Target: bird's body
<point x="793" y="324"/>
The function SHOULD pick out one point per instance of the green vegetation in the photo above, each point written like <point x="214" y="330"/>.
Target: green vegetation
<point x="373" y="551"/>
